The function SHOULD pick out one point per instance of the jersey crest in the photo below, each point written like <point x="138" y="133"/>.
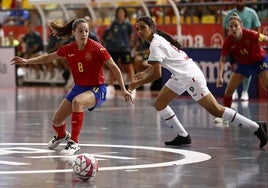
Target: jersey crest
<point x="88" y="56"/>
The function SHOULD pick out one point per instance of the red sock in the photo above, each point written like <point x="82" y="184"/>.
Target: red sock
<point x="61" y="131"/>
<point x="77" y="121"/>
<point x="227" y="101"/>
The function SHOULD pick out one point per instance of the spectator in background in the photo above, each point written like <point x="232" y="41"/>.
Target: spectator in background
<point x="33" y="41"/>
<point x="250" y="20"/>
<point x="17" y="16"/>
<point x="140" y="52"/>
<point x="118" y="40"/>
<point x="92" y="32"/>
<point x="33" y="47"/>
<point x="54" y="71"/>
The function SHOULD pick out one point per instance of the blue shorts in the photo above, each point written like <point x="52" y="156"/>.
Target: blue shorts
<point x="99" y="92"/>
<point x="247" y="70"/>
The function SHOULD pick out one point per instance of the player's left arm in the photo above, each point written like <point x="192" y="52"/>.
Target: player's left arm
<point x="118" y="76"/>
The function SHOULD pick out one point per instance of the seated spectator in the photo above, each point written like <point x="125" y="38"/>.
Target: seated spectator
<point x="17" y="16"/>
<point x="140" y="52"/>
<point x="34" y="47"/>
<point x="34" y="42"/>
<point x="51" y="70"/>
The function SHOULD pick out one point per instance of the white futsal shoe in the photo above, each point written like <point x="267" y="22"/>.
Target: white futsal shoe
<point x="244" y="96"/>
<point x="235" y="95"/>
<point x="55" y="141"/>
<point x="71" y="148"/>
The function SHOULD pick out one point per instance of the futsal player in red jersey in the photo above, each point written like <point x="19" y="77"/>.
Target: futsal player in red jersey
<point x="245" y="46"/>
<point x="86" y="59"/>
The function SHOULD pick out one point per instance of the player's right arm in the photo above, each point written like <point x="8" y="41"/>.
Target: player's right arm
<point x="45" y="58"/>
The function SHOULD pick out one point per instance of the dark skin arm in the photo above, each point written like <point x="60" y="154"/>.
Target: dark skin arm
<point x="149" y="75"/>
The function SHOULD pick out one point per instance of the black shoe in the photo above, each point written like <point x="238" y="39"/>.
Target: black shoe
<point x="179" y="140"/>
<point x="261" y="133"/>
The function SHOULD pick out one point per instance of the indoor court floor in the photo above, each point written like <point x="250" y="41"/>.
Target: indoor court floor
<point x="128" y="141"/>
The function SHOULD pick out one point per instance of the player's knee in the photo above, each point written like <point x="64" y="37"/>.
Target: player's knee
<point x="76" y="104"/>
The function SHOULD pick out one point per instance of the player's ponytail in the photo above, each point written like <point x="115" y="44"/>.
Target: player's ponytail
<point x="169" y="39"/>
<point x="65" y="31"/>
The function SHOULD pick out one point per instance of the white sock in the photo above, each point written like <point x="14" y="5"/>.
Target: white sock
<point x="171" y="119"/>
<point x="234" y="117"/>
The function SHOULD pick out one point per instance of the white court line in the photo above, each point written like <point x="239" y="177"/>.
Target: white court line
<point x="189" y="158"/>
<point x="95" y="155"/>
<point x="13" y="163"/>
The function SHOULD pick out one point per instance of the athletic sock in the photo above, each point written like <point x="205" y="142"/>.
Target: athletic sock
<point x="77" y="121"/>
<point x="236" y="118"/>
<point x="61" y="131"/>
<point x="171" y="119"/>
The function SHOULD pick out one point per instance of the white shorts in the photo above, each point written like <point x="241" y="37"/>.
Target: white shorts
<point x="195" y="86"/>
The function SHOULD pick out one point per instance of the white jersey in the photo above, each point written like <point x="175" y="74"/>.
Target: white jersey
<point x="176" y="61"/>
<point x="186" y="75"/>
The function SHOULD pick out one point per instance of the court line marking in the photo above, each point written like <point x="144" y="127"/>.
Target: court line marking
<point x="189" y="158"/>
<point x="95" y="155"/>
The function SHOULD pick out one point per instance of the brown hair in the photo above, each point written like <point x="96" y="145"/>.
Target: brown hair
<point x="65" y="31"/>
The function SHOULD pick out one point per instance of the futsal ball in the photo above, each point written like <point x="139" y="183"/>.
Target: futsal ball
<point x="85" y="166"/>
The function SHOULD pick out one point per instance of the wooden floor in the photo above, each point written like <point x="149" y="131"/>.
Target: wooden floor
<point x="128" y="141"/>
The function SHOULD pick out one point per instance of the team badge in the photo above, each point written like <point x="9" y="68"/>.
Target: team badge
<point x="191" y="89"/>
<point x="88" y="56"/>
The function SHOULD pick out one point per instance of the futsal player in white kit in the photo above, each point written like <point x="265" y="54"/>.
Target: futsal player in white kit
<point x="186" y="76"/>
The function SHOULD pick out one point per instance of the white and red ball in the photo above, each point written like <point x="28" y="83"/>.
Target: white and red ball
<point x="85" y="166"/>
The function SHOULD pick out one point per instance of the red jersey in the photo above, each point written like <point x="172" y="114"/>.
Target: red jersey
<point x="86" y="65"/>
<point x="247" y="50"/>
